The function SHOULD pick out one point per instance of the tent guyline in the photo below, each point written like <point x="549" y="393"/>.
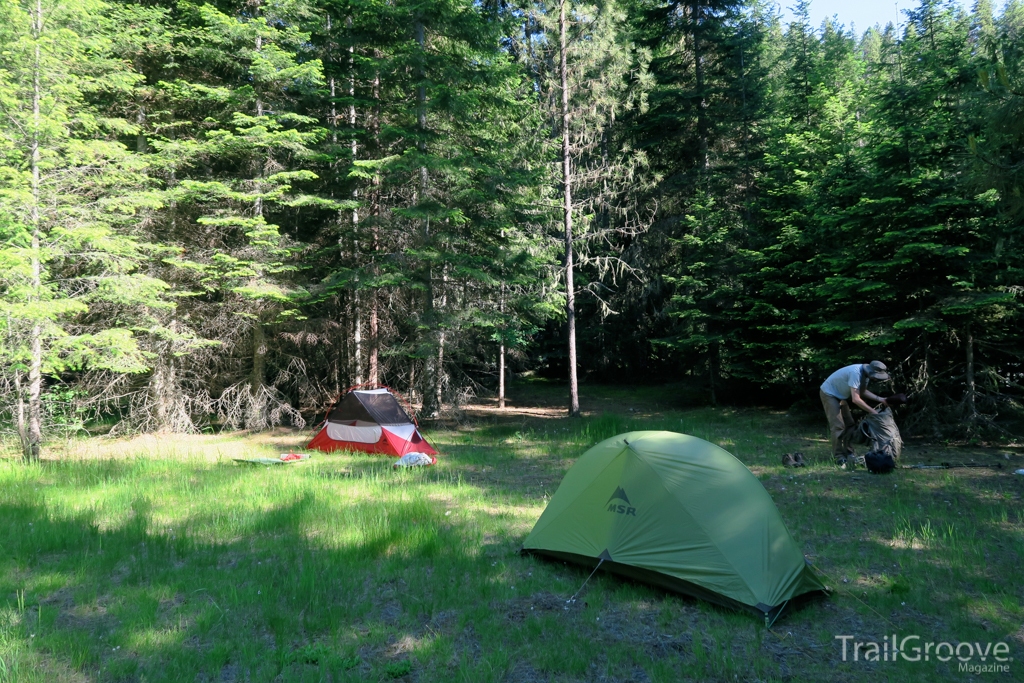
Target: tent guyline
<point x="585" y="582"/>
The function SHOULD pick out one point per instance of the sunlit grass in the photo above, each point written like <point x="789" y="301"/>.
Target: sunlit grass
<point x="160" y="559"/>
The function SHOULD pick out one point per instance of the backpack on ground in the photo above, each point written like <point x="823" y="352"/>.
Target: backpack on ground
<point x="878" y="462"/>
<point x="880" y="431"/>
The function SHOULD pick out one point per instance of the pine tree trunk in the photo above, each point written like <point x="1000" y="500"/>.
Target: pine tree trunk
<point x="972" y="409"/>
<point x="335" y="364"/>
<point x="259" y="100"/>
<point x="923" y="391"/>
<point x="374" y="124"/>
<point x="141" y="145"/>
<point x="698" y="70"/>
<point x="344" y="351"/>
<point x="334" y="93"/>
<point x="158" y="395"/>
<point x="501" y="351"/>
<point x="441" y="338"/>
<point x="258" y="378"/>
<point x="21" y="417"/>
<point x="438" y="379"/>
<point x="35" y="372"/>
<point x="501" y="377"/>
<point x="259" y="343"/>
<point x="357" y="337"/>
<point x="412" y="381"/>
<point x="605" y="218"/>
<point x="374" y="362"/>
<point x="35" y="390"/>
<point x="432" y="371"/>
<point x="342" y="377"/>
<point x="570" y="304"/>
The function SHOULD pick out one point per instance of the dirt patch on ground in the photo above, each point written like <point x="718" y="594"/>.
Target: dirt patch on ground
<point x="520" y="609"/>
<point x="535" y="402"/>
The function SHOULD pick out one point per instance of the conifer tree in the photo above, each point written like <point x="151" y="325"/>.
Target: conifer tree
<point x="588" y="75"/>
<point x="72" y="199"/>
<point x="704" y="106"/>
<point x="913" y="270"/>
<point x="442" y="133"/>
<point x="223" y="137"/>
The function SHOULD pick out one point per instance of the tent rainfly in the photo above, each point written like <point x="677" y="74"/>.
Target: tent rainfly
<point x="371" y="421"/>
<point x="678" y="512"/>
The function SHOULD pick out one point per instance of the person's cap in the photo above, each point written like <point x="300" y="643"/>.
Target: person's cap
<point x="876" y="370"/>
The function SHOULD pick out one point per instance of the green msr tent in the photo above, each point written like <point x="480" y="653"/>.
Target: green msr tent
<point x="678" y="512"/>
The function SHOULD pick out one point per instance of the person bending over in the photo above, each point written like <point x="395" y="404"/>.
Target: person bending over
<point x="843" y="387"/>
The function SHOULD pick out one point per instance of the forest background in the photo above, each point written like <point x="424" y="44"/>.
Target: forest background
<point x="223" y="214"/>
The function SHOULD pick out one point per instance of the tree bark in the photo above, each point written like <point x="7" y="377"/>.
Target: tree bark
<point x="334" y="93"/>
<point x="501" y="377"/>
<point x="412" y="381"/>
<point x="258" y="378"/>
<point x="337" y="365"/>
<point x="972" y="408"/>
<point x="712" y="371"/>
<point x="259" y="47"/>
<point x="432" y="367"/>
<point x="374" y="124"/>
<point x="35" y="391"/>
<point x="21" y="418"/>
<point x="570" y="304"/>
<point x="259" y="343"/>
<point x="353" y="367"/>
<point x="158" y="394"/>
<point x="698" y="70"/>
<point x="501" y="350"/>
<point x="344" y="348"/>
<point x="357" y="336"/>
<point x="438" y="379"/>
<point x="141" y="145"/>
<point x="374" y="369"/>
<point x="35" y="372"/>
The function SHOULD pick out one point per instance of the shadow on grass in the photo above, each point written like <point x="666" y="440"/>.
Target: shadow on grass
<point x="128" y="603"/>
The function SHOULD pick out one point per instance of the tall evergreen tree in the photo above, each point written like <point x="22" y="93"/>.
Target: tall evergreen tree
<point x="708" y="65"/>
<point x="588" y="75"/>
<point x="72" y="198"/>
<point x="435" y="188"/>
<point x="223" y="137"/>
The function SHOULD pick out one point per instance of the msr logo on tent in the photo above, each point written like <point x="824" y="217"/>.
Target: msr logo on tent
<point x="620" y="509"/>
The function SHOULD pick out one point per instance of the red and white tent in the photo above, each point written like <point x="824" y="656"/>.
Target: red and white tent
<point x="371" y="421"/>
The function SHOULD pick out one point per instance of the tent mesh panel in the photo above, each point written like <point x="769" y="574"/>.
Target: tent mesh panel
<point x="382" y="408"/>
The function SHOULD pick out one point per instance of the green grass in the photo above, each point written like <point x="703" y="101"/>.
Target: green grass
<point x="162" y="560"/>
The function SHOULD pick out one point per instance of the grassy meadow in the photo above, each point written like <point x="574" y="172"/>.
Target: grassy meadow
<point x="161" y="559"/>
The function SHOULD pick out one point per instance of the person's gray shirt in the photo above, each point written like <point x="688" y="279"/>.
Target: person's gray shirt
<point x="840" y="382"/>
